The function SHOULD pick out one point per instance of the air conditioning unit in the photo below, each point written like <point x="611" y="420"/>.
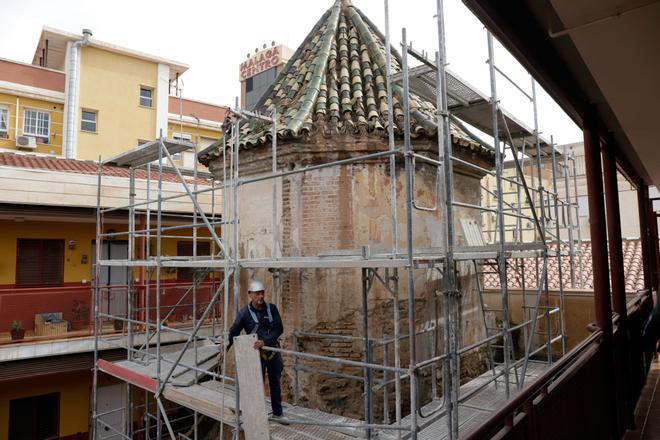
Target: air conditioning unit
<point x="26" y="142"/>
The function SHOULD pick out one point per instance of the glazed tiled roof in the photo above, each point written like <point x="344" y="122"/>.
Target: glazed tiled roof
<point x="31" y="161"/>
<point x="335" y="83"/>
<point x="632" y="268"/>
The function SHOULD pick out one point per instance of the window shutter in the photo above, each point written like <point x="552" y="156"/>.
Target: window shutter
<point x="39" y="262"/>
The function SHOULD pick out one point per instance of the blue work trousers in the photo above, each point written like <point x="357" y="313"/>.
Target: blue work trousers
<point x="274" y="369"/>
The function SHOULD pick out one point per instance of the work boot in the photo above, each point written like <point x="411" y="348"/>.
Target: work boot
<point x="279" y="419"/>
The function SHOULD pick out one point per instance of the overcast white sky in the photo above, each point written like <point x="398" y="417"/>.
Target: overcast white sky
<point x="213" y="37"/>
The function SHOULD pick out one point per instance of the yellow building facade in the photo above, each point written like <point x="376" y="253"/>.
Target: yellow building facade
<point x="32" y="105"/>
<point x="110" y="85"/>
<point x="71" y="392"/>
<point x="82" y="98"/>
<point x="54" y="120"/>
<point x="52" y="371"/>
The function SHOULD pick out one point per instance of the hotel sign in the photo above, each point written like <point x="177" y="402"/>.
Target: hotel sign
<point x="261" y="61"/>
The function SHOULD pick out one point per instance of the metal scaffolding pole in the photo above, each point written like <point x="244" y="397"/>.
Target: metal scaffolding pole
<point x="409" y="241"/>
<point x="510" y="211"/>
<point x="235" y="236"/>
<point x="542" y="284"/>
<point x="569" y="214"/>
<point x="97" y="292"/>
<point x="159" y="216"/>
<point x="446" y="199"/>
<point x="562" y="324"/>
<point x="390" y="130"/>
<point x="501" y="259"/>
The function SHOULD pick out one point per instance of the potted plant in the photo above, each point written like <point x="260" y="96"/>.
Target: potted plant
<point x="80" y="314"/>
<point x="17" y="331"/>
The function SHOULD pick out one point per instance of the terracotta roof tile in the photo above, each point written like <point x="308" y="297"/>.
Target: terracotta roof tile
<point x="525" y="270"/>
<point x="335" y="83"/>
<point x="81" y="167"/>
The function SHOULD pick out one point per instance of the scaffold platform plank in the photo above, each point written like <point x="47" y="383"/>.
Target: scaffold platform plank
<point x="474" y="409"/>
<point x="216" y="400"/>
<point x="421" y="258"/>
<point x="148" y="152"/>
<point x="203" y="358"/>
<point x="251" y="384"/>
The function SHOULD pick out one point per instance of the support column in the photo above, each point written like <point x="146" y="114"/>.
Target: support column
<point x="614" y="233"/>
<point x="653" y="244"/>
<point x="602" y="302"/>
<point x="597" y="226"/>
<point x="642" y="206"/>
<point x="621" y="339"/>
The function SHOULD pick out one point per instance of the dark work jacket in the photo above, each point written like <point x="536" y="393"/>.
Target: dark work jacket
<point x="267" y="331"/>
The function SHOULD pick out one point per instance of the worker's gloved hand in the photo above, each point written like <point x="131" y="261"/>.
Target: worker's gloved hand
<point x="258" y="344"/>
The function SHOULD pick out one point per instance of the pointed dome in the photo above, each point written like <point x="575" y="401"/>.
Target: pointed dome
<point x="335" y="83"/>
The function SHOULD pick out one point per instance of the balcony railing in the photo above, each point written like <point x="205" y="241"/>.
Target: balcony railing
<point x="569" y="399"/>
<point x="74" y="304"/>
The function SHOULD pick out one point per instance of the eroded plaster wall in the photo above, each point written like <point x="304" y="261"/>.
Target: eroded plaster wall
<point x="337" y="211"/>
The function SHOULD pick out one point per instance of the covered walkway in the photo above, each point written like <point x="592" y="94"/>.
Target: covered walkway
<point x="647" y="414"/>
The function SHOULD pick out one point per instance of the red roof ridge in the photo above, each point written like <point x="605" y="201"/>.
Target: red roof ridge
<point x="79" y="166"/>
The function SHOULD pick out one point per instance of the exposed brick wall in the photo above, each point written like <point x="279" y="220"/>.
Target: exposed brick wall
<point x="344" y="208"/>
<point x="326" y="211"/>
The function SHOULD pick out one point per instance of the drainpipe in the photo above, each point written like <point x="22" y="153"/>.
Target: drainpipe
<point x="73" y="91"/>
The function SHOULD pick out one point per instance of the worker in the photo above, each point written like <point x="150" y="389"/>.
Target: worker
<point x="263" y="320"/>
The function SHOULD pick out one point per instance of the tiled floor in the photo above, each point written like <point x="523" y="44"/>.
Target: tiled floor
<point x="647" y="415"/>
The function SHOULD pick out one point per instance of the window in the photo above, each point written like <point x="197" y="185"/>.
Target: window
<point x="39" y="262"/>
<point x="257" y="85"/>
<point x="185" y="248"/>
<point x="146" y="99"/>
<point x="36" y="123"/>
<point x="181" y="136"/>
<point x="88" y="122"/>
<point x="4" y="122"/>
<point x="35" y="418"/>
<point x="176" y="136"/>
<point x="206" y="142"/>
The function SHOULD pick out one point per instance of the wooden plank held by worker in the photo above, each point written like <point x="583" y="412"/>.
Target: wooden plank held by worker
<point x="251" y="387"/>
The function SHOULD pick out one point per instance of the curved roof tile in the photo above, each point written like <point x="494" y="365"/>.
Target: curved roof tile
<point x="335" y="83"/>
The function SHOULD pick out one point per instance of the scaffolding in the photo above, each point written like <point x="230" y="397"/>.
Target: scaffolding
<point x="169" y="364"/>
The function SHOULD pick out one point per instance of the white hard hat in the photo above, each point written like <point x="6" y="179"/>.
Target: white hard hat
<point x="256" y="286"/>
